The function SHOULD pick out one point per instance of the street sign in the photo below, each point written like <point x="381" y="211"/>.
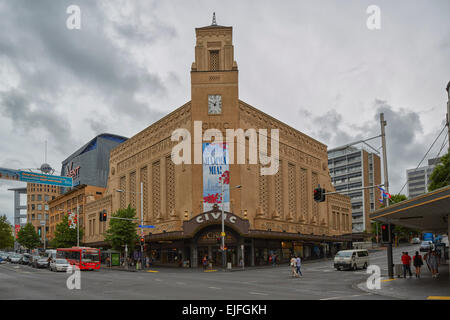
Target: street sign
<point x="143" y="226"/>
<point x="25" y="176"/>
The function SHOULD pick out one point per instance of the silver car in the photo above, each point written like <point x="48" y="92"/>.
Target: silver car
<point x="16" y="258"/>
<point x="59" y="265"/>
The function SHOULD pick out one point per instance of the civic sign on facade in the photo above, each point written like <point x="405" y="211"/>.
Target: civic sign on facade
<point x="215" y="216"/>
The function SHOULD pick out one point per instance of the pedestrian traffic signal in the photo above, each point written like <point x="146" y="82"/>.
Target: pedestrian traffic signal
<point x="319" y="194"/>
<point x="387" y="233"/>
<point x="142" y="241"/>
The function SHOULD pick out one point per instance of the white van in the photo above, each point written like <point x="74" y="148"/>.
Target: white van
<point x="351" y="259"/>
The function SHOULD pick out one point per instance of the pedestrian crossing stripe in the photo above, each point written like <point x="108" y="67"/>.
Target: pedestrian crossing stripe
<point x="387" y="280"/>
<point x="152" y="271"/>
<point x="438" y="298"/>
<point x="210" y="270"/>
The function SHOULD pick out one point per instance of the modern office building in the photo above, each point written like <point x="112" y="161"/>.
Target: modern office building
<point x="38" y="196"/>
<point x="89" y="165"/>
<point x="418" y="179"/>
<point x="20" y="218"/>
<point x="269" y="214"/>
<point x="351" y="169"/>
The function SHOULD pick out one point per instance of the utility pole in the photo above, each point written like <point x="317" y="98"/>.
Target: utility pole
<point x="142" y="223"/>
<point x="448" y="114"/>
<point x="386" y="185"/>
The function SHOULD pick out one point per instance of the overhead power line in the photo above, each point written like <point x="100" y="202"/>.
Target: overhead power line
<point x="423" y="158"/>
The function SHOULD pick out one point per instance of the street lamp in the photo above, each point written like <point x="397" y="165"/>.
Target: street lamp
<point x="142" y="217"/>
<point x="223" y="224"/>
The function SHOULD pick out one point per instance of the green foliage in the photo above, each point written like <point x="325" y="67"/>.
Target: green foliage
<point x="65" y="237"/>
<point x="28" y="237"/>
<point x="441" y="174"/>
<point x="6" y="236"/>
<point x="396" y="198"/>
<point x="121" y="232"/>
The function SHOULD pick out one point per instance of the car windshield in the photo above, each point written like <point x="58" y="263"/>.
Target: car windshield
<point x="344" y="254"/>
<point x="61" y="261"/>
<point x="90" y="257"/>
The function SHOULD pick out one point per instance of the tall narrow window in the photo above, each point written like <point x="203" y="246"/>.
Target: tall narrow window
<point x="214" y="60"/>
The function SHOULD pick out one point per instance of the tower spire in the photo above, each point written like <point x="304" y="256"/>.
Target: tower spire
<point x="214" y="22"/>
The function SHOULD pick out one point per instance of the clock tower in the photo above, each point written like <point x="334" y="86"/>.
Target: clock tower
<point x="214" y="97"/>
<point x="214" y="77"/>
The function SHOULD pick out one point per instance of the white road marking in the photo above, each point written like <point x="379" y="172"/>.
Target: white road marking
<point x="262" y="294"/>
<point x="158" y="280"/>
<point x="180" y="283"/>
<point x="214" y="288"/>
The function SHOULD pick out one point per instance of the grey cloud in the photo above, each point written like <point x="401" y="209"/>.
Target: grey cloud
<point x="17" y="106"/>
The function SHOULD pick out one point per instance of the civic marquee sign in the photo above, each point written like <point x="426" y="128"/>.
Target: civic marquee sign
<point x="32" y="177"/>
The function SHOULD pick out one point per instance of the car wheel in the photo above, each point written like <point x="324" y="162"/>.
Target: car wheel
<point x="365" y="265"/>
<point x="355" y="267"/>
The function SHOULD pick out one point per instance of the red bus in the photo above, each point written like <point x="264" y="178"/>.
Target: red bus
<point x="83" y="257"/>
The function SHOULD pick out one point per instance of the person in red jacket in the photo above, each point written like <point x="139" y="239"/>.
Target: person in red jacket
<point x="406" y="261"/>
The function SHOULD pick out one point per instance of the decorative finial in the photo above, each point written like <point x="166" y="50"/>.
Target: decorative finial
<point x="214" y="23"/>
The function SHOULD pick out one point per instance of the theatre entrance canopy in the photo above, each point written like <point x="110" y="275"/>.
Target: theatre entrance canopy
<point x="428" y="213"/>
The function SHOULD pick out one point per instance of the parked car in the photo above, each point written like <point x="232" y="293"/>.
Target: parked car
<point x="42" y="262"/>
<point x="16" y="258"/>
<point x="2" y="260"/>
<point x="25" y="258"/>
<point x="426" y="245"/>
<point x="415" y="241"/>
<point x="9" y="256"/>
<point x="351" y="259"/>
<point x="59" y="264"/>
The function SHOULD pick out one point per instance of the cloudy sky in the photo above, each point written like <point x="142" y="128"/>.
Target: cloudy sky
<point x="312" y="64"/>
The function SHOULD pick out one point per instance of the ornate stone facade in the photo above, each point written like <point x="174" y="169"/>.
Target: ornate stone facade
<point x="280" y="203"/>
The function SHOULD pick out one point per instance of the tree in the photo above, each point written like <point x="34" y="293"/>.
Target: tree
<point x="441" y="174"/>
<point x="28" y="237"/>
<point x="121" y="232"/>
<point x="6" y="237"/>
<point x="65" y="237"/>
<point x="396" y="198"/>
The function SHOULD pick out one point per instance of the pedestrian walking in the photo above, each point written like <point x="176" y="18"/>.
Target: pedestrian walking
<point x="147" y="262"/>
<point x="205" y="262"/>
<point x="406" y="261"/>
<point x="270" y="259"/>
<point x="298" y="265"/>
<point x="293" y="266"/>
<point x="434" y="263"/>
<point x="418" y="263"/>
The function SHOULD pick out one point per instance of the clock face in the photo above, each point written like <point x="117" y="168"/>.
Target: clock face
<point x="214" y="104"/>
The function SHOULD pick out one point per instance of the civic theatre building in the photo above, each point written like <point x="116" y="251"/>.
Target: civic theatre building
<point x="269" y="214"/>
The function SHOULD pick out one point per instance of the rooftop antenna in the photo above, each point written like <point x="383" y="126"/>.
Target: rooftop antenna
<point x="45" y="167"/>
<point x="214" y="22"/>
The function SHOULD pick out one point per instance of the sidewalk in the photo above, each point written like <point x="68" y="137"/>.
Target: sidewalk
<point x="414" y="288"/>
<point x="158" y="268"/>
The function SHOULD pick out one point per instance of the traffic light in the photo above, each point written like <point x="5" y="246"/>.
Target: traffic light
<point x="103" y="215"/>
<point x="319" y="194"/>
<point x="100" y="214"/>
<point x="142" y="241"/>
<point x="387" y="233"/>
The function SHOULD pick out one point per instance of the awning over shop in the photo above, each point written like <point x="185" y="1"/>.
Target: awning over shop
<point x="428" y="212"/>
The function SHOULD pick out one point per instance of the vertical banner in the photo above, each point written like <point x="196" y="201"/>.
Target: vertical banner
<point x="17" y="229"/>
<point x="215" y="171"/>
